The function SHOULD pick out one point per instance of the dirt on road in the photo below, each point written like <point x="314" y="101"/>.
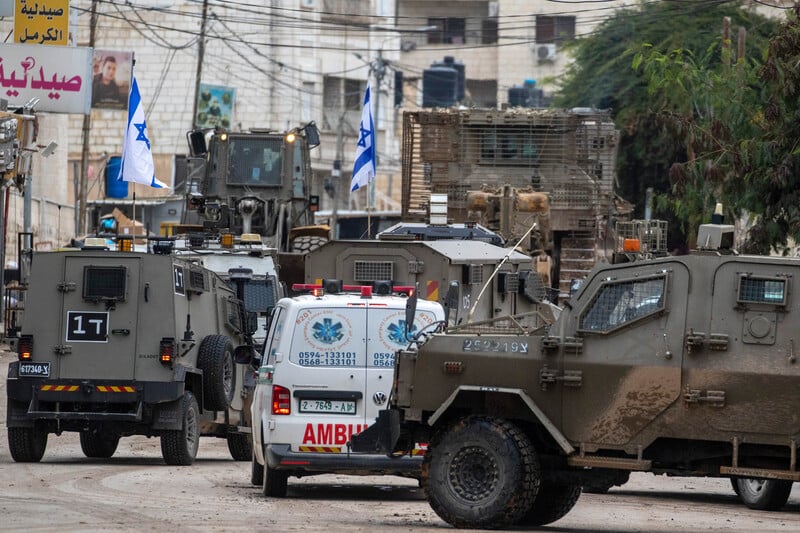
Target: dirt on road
<point x="136" y="491"/>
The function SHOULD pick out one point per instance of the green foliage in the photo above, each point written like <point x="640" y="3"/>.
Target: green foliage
<point x="677" y="43"/>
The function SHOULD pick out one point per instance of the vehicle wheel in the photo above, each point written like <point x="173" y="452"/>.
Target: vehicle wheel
<point x="98" y="445"/>
<point x="179" y="447"/>
<point x="274" y="483"/>
<point x="27" y="445"/>
<point x="735" y="485"/>
<point x="215" y="359"/>
<point x="481" y="473"/>
<point x="239" y="446"/>
<point x="552" y="502"/>
<point x="306" y="243"/>
<point x="764" y="494"/>
<point x="256" y="472"/>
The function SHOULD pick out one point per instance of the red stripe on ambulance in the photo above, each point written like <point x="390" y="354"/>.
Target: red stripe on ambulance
<point x="323" y="434"/>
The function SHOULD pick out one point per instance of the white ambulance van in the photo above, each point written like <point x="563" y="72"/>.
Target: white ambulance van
<point x="326" y="371"/>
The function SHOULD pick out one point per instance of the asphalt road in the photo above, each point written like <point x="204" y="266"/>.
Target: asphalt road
<point x="135" y="491"/>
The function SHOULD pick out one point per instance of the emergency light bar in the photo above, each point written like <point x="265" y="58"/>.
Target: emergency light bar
<point x="382" y="288"/>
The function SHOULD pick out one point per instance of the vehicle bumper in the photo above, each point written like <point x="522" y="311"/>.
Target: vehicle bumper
<point x="281" y="457"/>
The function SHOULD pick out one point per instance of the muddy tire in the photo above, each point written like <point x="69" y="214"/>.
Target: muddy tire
<point x="239" y="446"/>
<point x="274" y="483"/>
<point x="215" y="359"/>
<point x="552" y="503"/>
<point x="179" y="447"/>
<point x="481" y="473"/>
<point x="98" y="445"/>
<point x="764" y="494"/>
<point x="27" y="445"/>
<point x="307" y="243"/>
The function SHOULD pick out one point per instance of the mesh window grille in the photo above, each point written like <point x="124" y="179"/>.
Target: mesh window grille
<point x="760" y="290"/>
<point x="373" y="270"/>
<point x="198" y="281"/>
<point x="104" y="283"/>
<point x="618" y="303"/>
<point x="259" y="295"/>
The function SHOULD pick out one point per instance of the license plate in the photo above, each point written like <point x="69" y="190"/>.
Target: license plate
<point x="31" y="369"/>
<point x="346" y="407"/>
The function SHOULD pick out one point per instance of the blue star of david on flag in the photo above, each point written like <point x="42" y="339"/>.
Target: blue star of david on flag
<point x="364" y="166"/>
<point x="137" y="158"/>
<point x="328" y="332"/>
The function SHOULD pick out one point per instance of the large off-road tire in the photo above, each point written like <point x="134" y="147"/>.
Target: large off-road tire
<point x="481" y="473"/>
<point x="274" y="483"/>
<point x="98" y="445"/>
<point x="179" y="447"/>
<point x="27" y="445"/>
<point x="239" y="444"/>
<point x="552" y="502"/>
<point x="764" y="494"/>
<point x="256" y="472"/>
<point x="306" y="243"/>
<point x="215" y="359"/>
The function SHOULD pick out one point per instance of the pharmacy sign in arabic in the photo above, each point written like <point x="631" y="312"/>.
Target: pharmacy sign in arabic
<point x="59" y="76"/>
<point x="41" y="22"/>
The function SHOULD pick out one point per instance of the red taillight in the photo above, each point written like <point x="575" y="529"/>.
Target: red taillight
<point x="25" y="348"/>
<point x="281" y="401"/>
<point x="166" y="351"/>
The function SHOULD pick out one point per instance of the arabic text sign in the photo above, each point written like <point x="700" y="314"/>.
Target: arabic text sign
<point x="59" y="76"/>
<point x="41" y="22"/>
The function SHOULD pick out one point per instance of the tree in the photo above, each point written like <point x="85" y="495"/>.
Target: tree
<point x="602" y="76"/>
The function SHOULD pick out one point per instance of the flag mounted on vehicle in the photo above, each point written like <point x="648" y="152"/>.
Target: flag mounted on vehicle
<point x="364" y="166"/>
<point x="137" y="157"/>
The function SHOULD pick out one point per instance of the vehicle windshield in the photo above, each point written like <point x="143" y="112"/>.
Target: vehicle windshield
<point x="255" y="162"/>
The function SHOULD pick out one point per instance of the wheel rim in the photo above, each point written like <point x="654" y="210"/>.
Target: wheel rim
<point x="752" y="486"/>
<point x="191" y="430"/>
<point x="227" y="373"/>
<point x="473" y="473"/>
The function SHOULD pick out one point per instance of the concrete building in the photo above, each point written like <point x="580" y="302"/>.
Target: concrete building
<point x="288" y="62"/>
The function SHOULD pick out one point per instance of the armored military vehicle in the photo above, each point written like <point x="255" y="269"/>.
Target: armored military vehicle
<point x="678" y="365"/>
<point x="122" y="343"/>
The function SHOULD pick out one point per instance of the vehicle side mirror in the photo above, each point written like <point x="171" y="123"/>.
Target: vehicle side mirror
<point x="244" y="354"/>
<point x="411" y="310"/>
<point x="312" y="134"/>
<point x="197" y="143"/>
<point x="451" y="302"/>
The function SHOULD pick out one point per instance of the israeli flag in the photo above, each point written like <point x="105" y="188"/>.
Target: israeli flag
<point x="364" y="166"/>
<point x="137" y="158"/>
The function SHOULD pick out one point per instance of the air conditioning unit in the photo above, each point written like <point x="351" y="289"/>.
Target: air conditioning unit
<point x="546" y="52"/>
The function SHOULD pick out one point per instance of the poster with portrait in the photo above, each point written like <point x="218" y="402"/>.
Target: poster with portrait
<point x="215" y="106"/>
<point x="111" y="79"/>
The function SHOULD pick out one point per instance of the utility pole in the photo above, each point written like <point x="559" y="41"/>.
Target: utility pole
<point x="80" y="212"/>
<point x="201" y="50"/>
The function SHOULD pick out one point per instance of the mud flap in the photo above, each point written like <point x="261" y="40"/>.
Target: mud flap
<point x="168" y="415"/>
<point x="380" y="437"/>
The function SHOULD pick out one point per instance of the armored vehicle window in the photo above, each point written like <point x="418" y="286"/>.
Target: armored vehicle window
<point x="255" y="162"/>
<point x="373" y="270"/>
<point x="104" y="283"/>
<point x="259" y="295"/>
<point x="618" y="303"/>
<point x="762" y="291"/>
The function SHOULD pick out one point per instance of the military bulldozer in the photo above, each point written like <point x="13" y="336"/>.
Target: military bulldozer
<point x="677" y="365"/>
<point x="257" y="182"/>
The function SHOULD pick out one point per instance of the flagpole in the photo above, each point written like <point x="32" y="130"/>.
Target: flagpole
<point x="133" y="229"/>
